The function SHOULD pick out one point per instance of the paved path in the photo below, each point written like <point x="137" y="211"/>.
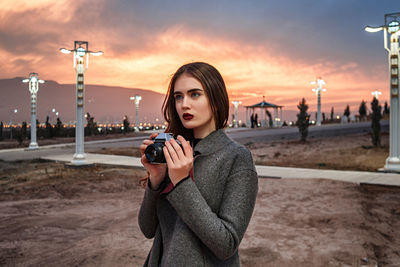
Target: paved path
<point x="379" y="178"/>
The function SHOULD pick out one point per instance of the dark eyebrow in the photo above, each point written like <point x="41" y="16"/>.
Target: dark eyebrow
<point x="189" y="91"/>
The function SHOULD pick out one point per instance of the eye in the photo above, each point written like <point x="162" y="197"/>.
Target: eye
<point x="178" y="97"/>
<point x="195" y="94"/>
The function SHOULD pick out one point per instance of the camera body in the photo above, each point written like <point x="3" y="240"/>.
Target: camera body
<point x="154" y="152"/>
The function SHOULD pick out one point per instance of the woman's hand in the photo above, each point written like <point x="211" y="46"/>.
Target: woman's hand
<point x="179" y="161"/>
<point x="157" y="171"/>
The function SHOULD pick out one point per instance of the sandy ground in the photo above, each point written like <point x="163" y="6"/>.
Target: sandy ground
<point x="52" y="215"/>
<point x="350" y="152"/>
<point x="57" y="216"/>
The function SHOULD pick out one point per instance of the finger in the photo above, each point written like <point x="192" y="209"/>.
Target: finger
<point x="168" y="158"/>
<point x="144" y="160"/>
<point x="171" y="152"/>
<point x="153" y="135"/>
<point x="144" y="145"/>
<point x="177" y="148"/>
<point x="187" y="149"/>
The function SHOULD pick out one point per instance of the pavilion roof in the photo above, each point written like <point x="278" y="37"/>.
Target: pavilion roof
<point x="264" y="104"/>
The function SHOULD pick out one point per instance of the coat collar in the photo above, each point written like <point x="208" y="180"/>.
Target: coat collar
<point x="212" y="143"/>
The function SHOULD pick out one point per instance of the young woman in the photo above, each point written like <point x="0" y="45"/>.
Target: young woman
<point x="197" y="206"/>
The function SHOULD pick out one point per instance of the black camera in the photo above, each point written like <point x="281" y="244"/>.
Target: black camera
<point x="154" y="152"/>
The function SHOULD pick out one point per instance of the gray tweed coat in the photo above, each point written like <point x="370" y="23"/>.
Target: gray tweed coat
<point x="202" y="222"/>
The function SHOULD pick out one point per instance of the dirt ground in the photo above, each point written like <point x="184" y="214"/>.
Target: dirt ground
<point x="350" y="152"/>
<point x="53" y="215"/>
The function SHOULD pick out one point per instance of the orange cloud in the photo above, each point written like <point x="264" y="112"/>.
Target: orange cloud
<point x="250" y="71"/>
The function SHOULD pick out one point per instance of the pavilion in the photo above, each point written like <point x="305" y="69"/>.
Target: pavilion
<point x="264" y="106"/>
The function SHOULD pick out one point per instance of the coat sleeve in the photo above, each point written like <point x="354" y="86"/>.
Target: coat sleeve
<point x="222" y="232"/>
<point x="147" y="218"/>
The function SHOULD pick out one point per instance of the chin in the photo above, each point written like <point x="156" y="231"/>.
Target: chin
<point x="188" y="125"/>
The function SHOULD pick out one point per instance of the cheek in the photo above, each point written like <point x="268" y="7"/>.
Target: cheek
<point x="177" y="107"/>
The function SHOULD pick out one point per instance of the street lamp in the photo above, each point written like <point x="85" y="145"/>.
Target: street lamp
<point x="136" y="99"/>
<point x="50" y="113"/>
<point x="236" y="104"/>
<point x="392" y="28"/>
<point x="319" y="82"/>
<point x="11" y="114"/>
<point x="33" y="81"/>
<point x="376" y="94"/>
<point x="80" y="50"/>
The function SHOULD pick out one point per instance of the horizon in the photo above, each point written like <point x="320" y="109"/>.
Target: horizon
<point x="289" y="114"/>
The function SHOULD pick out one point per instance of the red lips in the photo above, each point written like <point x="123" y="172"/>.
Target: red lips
<point x="187" y="116"/>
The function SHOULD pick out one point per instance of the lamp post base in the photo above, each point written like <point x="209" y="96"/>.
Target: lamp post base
<point x="392" y="164"/>
<point x="33" y="146"/>
<point x="79" y="159"/>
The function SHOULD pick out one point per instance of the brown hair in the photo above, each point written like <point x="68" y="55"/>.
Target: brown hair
<point x="214" y="87"/>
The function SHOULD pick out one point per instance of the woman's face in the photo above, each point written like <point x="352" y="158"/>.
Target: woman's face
<point x="193" y="107"/>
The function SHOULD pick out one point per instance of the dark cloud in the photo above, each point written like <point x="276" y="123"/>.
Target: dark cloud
<point x="307" y="31"/>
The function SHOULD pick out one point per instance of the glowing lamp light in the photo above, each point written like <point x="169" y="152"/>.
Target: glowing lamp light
<point x="80" y="51"/>
<point x="65" y="51"/>
<point x="376" y="94"/>
<point x="99" y="53"/>
<point x="393" y="26"/>
<point x="373" y="29"/>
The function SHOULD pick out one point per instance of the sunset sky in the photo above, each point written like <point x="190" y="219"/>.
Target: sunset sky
<point x="262" y="48"/>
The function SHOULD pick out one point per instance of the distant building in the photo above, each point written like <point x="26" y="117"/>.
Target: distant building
<point x="263" y="119"/>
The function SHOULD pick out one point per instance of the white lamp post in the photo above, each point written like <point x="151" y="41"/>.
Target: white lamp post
<point x="136" y="99"/>
<point x="236" y="104"/>
<point x="376" y="94"/>
<point x="392" y="28"/>
<point x="33" y="81"/>
<point x="11" y="114"/>
<point x="319" y="82"/>
<point x="80" y="50"/>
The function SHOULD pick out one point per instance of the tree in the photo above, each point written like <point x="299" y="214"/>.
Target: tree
<point x="362" y="110"/>
<point x="24" y="130"/>
<point x="386" y="108"/>
<point x="49" y="128"/>
<point x="126" y="124"/>
<point x="376" y="125"/>
<point x="347" y="112"/>
<point x="39" y="132"/>
<point x="303" y="119"/>
<point x="91" y="125"/>
<point x="1" y="131"/>
<point x="323" y="116"/>
<point x="58" y="127"/>
<point x="332" y="113"/>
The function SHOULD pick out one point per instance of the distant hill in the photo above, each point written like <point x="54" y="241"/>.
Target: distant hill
<point x="104" y="103"/>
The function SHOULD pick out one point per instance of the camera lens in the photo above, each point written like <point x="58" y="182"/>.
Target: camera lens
<point x="154" y="153"/>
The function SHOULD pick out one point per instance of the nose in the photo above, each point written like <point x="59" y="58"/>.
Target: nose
<point x="186" y="103"/>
